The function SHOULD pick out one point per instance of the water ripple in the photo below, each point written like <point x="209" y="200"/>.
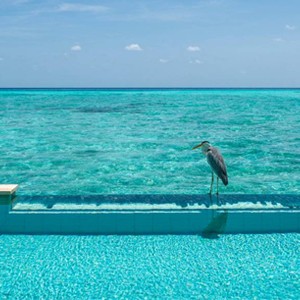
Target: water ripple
<point x="140" y="141"/>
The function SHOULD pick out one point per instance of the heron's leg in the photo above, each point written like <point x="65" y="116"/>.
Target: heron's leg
<point x="212" y="182"/>
<point x="217" y="185"/>
<point x="210" y="200"/>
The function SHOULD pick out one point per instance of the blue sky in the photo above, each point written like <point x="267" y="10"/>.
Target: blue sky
<point x="205" y="43"/>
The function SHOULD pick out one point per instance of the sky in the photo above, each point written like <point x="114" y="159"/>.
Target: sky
<point x="136" y="43"/>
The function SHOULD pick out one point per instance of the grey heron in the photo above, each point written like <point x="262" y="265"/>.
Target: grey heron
<point x="216" y="162"/>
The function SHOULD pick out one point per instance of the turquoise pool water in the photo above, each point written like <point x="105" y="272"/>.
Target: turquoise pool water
<point x="85" y="142"/>
<point x="150" y="267"/>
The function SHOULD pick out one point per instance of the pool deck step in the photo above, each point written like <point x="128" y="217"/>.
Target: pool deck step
<point x="8" y="189"/>
<point x="7" y="193"/>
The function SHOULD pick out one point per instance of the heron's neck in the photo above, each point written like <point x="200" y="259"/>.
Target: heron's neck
<point x="205" y="148"/>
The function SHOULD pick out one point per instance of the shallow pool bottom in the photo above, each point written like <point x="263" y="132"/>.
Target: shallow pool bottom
<point x="244" y="266"/>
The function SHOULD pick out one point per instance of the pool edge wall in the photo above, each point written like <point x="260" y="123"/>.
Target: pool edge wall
<point x="205" y="222"/>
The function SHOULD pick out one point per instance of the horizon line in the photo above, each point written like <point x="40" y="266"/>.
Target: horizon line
<point x="145" y="88"/>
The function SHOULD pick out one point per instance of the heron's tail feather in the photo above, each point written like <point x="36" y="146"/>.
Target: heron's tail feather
<point x="224" y="179"/>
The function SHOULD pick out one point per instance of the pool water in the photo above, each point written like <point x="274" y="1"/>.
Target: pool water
<point x="84" y="142"/>
<point x="248" y="266"/>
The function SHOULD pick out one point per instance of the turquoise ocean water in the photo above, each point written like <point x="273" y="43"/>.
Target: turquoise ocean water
<point x="139" y="141"/>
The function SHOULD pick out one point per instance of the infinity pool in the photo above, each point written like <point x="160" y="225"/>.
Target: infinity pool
<point x="122" y="142"/>
<point x="150" y="267"/>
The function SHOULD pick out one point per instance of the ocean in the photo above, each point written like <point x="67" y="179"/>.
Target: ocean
<point x="139" y="141"/>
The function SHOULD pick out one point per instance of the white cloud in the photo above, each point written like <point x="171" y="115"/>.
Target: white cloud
<point x="77" y="7"/>
<point x="193" y="48"/>
<point x="290" y="27"/>
<point x="76" y="48"/>
<point x="196" y="61"/>
<point x="278" y="40"/>
<point x="163" y="61"/>
<point x="133" y="47"/>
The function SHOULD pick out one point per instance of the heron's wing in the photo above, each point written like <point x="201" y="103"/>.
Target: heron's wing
<point x="216" y="161"/>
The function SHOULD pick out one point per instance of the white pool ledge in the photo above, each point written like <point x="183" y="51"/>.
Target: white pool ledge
<point x="7" y="193"/>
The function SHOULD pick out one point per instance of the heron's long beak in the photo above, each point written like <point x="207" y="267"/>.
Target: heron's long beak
<point x="198" y="146"/>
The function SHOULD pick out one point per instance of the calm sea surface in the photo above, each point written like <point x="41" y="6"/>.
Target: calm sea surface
<point x="139" y="141"/>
